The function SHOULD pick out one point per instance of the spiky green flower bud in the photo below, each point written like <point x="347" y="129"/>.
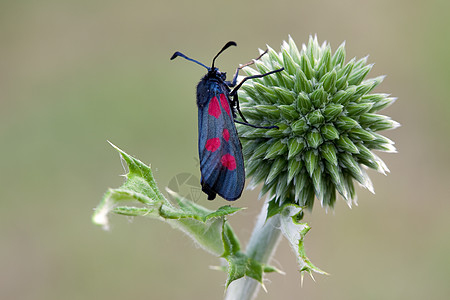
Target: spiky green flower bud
<point x="327" y="121"/>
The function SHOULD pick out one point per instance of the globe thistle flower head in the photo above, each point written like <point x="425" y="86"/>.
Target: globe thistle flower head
<point x="328" y="124"/>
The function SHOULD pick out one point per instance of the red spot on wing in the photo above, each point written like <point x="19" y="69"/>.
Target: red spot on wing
<point x="212" y="144"/>
<point x="228" y="161"/>
<point x="224" y="103"/>
<point x="214" y="108"/>
<point x="226" y="134"/>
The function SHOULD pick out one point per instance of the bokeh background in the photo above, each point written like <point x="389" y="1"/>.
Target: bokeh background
<point x="74" y="74"/>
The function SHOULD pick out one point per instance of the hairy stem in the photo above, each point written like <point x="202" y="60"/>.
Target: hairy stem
<point x="262" y="245"/>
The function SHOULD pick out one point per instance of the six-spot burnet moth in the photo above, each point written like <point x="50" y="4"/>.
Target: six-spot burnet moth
<point x="220" y="151"/>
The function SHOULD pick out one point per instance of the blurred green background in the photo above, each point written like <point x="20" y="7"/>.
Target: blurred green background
<point x="74" y="74"/>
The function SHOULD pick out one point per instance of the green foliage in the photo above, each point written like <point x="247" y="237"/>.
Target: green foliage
<point x="209" y="229"/>
<point x="294" y="231"/>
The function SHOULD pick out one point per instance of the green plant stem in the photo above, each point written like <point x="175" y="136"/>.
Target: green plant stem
<point x="262" y="245"/>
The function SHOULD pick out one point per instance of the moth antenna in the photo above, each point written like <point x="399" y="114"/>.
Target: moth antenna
<point x="176" y="54"/>
<point x="227" y="45"/>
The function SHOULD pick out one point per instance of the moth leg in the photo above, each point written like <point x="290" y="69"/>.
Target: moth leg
<point x="233" y="82"/>
<point x="235" y="89"/>
<point x="255" y="126"/>
<point x="236" y="105"/>
<point x="235" y="101"/>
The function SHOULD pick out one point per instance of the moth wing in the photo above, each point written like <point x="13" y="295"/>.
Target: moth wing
<point x="220" y="151"/>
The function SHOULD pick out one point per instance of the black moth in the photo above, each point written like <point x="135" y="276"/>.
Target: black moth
<point x="219" y="148"/>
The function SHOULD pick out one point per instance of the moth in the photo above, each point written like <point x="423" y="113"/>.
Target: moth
<point x="220" y="151"/>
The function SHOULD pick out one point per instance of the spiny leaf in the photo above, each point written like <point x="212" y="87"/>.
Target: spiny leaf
<point x="294" y="232"/>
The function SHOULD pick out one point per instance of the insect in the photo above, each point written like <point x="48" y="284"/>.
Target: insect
<point x="220" y="151"/>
